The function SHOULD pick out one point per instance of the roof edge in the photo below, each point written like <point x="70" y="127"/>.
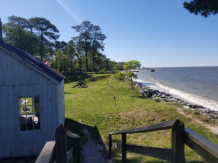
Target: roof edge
<point x="32" y="67"/>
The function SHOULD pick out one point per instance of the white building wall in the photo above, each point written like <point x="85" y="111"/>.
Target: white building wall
<point x="17" y="79"/>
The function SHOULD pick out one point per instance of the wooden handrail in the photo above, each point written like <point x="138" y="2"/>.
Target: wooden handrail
<point x="202" y="146"/>
<point x="47" y="153"/>
<point x="57" y="150"/>
<point x="156" y="127"/>
<point x="175" y="154"/>
<point x="180" y="136"/>
<point x="67" y="132"/>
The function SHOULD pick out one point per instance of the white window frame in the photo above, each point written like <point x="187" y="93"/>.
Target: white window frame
<point x="19" y="132"/>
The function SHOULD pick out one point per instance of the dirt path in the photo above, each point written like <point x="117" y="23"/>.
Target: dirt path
<point x="213" y="129"/>
<point x="92" y="150"/>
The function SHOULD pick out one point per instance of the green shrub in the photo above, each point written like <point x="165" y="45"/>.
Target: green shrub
<point x="120" y="75"/>
<point x="157" y="100"/>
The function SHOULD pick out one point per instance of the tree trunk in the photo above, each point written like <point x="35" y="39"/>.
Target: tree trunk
<point x="132" y="84"/>
<point x="86" y="57"/>
<point x="71" y="65"/>
<point x="93" y="58"/>
<point x="41" y="46"/>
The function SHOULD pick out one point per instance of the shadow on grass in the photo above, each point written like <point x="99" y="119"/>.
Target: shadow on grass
<point x="139" y="96"/>
<point x="97" y="78"/>
<point x="78" y="128"/>
<point x="76" y="77"/>
<point x="67" y="93"/>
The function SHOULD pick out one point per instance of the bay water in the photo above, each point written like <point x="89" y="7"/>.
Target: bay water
<point x="197" y="85"/>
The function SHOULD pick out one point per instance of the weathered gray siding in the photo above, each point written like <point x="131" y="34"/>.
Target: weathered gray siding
<point x="18" y="79"/>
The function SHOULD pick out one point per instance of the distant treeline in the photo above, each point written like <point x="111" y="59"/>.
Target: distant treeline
<point x="39" y="37"/>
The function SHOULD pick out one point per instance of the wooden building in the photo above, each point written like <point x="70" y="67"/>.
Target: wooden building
<point x="31" y="102"/>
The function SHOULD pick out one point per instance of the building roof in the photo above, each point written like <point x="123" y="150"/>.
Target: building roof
<point x="31" y="60"/>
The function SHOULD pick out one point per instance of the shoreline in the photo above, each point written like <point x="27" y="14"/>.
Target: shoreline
<point x="157" y="94"/>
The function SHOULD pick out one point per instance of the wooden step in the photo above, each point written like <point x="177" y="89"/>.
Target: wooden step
<point x="97" y="161"/>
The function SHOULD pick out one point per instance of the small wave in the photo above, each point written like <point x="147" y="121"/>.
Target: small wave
<point x="191" y="98"/>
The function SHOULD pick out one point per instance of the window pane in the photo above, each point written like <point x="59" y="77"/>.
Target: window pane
<point x="29" y="109"/>
<point x="36" y="109"/>
<point x="36" y="117"/>
<point x="23" y="127"/>
<point x="36" y="125"/>
<point x="36" y="101"/>
<point x="22" y="102"/>
<point x="30" y="126"/>
<point x="23" y="118"/>
<point x="26" y="110"/>
<point x="28" y="100"/>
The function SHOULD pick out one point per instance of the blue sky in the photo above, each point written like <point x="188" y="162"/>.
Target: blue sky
<point x="157" y="33"/>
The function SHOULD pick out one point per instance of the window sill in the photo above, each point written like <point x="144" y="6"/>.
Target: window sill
<point x="29" y="132"/>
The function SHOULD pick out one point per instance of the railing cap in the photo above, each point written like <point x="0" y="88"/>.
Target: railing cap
<point x="67" y="132"/>
<point x="156" y="127"/>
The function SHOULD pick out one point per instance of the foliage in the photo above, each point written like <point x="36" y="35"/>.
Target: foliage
<point x="85" y="37"/>
<point x="157" y="100"/>
<point x="97" y="38"/>
<point x="203" y="7"/>
<point x="82" y="53"/>
<point x="120" y="75"/>
<point x="133" y="64"/>
<point x="61" y="61"/>
<point x="18" y="37"/>
<point x="46" y="31"/>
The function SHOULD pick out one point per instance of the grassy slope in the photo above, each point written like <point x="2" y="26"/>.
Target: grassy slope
<point x="94" y="106"/>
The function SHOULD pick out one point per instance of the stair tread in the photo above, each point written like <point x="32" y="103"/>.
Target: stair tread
<point x="97" y="161"/>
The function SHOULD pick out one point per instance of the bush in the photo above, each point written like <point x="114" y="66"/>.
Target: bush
<point x="120" y="75"/>
<point x="157" y="100"/>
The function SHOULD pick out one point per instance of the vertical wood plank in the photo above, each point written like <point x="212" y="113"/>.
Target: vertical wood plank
<point x="1" y="62"/>
<point x="110" y="144"/>
<point x="61" y="146"/>
<point x="50" y="112"/>
<point x="12" y="119"/>
<point x="76" y="150"/>
<point x="16" y="73"/>
<point x="9" y="70"/>
<point x="1" y="124"/>
<point x="6" y="123"/>
<point x="178" y="138"/>
<point x="32" y="77"/>
<point x="54" y="108"/>
<point x="28" y="75"/>
<point x="3" y="68"/>
<point x="123" y="148"/>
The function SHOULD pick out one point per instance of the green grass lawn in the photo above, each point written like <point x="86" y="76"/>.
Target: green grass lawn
<point x="93" y="108"/>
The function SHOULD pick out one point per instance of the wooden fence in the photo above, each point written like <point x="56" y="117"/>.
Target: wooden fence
<point x="56" y="151"/>
<point x="180" y="137"/>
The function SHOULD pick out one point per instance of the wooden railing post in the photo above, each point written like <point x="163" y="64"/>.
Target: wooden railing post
<point x="124" y="148"/>
<point x="61" y="146"/>
<point x="178" y="137"/>
<point x="110" y="145"/>
<point x="76" y="150"/>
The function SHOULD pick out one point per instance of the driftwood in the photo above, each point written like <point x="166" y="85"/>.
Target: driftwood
<point x="81" y="84"/>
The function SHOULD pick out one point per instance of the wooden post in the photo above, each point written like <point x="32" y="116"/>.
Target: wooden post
<point x="115" y="100"/>
<point x="61" y="146"/>
<point x="123" y="148"/>
<point x="107" y="83"/>
<point x="76" y="150"/>
<point x="178" y="138"/>
<point x="110" y="144"/>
